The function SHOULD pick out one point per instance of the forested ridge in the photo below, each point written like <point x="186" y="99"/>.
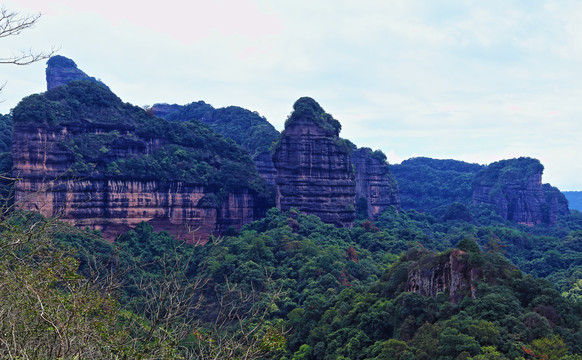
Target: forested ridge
<point x="441" y="278"/>
<point x="313" y="290"/>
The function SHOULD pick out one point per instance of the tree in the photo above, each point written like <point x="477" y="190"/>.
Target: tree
<point x="48" y="310"/>
<point x="12" y="24"/>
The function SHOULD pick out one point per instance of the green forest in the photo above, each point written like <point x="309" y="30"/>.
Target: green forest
<point x="291" y="287"/>
<point x="436" y="278"/>
<point x="247" y="128"/>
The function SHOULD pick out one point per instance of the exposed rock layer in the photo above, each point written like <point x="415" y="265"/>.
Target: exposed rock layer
<point x="322" y="174"/>
<point x="514" y="187"/>
<point x="374" y="182"/>
<point x="266" y="168"/>
<point x="314" y="173"/>
<point x="114" y="206"/>
<point x="61" y="70"/>
<point x="448" y="273"/>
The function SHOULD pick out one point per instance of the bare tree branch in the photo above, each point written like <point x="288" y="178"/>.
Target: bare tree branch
<point x="12" y="24"/>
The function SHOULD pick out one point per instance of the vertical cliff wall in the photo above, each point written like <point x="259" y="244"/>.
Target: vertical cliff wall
<point x="514" y="188"/>
<point x="374" y="182"/>
<point x="83" y="155"/>
<point x="448" y="273"/>
<point x="43" y="163"/>
<point x="314" y="172"/>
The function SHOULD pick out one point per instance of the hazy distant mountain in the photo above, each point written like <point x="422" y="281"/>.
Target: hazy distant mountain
<point x="574" y="199"/>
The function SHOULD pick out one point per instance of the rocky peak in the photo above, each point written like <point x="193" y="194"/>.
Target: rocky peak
<point x="313" y="168"/>
<point x="61" y="70"/>
<point x="308" y="116"/>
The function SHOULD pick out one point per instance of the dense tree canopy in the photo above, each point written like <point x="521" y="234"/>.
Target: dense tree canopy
<point x="247" y="128"/>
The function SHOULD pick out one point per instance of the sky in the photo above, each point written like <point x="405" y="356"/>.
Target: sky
<point x="478" y="81"/>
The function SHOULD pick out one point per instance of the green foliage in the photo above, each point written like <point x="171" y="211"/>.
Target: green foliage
<point x="247" y="128"/>
<point x="6" y="185"/>
<point x="509" y="171"/>
<point x="5" y="133"/>
<point x="342" y="290"/>
<point x="429" y="184"/>
<point x="47" y="309"/>
<point x="308" y="108"/>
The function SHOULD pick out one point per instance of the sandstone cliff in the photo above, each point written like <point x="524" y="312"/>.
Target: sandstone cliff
<point x="447" y="273"/>
<point x="314" y="172"/>
<point x="514" y="188"/>
<point x="374" y="182"/>
<point x="109" y="165"/>
<point x="266" y="167"/>
<point x="61" y="70"/>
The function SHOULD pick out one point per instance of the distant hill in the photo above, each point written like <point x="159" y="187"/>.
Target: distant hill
<point x="429" y="184"/>
<point x="247" y="128"/>
<point x="574" y="199"/>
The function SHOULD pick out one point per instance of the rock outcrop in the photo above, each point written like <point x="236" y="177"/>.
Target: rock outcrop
<point x="557" y="204"/>
<point x="83" y="155"/>
<point x="266" y="168"/>
<point x="116" y="205"/>
<point x="374" y="183"/>
<point x="448" y="273"/>
<point x="514" y="188"/>
<point x="61" y="70"/>
<point x="314" y="171"/>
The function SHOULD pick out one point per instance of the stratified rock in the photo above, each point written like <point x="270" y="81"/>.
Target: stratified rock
<point x="447" y="273"/>
<point x="61" y="70"/>
<point x="374" y="182"/>
<point x="514" y="188"/>
<point x="557" y="204"/>
<point x="59" y="176"/>
<point x="314" y="171"/>
<point x="266" y="168"/>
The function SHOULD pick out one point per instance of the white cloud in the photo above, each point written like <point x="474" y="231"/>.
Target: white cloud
<point x="471" y="81"/>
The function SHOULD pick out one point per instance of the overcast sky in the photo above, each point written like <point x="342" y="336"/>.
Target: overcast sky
<point x="478" y="81"/>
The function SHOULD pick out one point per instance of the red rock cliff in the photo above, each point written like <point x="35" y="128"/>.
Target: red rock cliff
<point x="374" y="182"/>
<point x="514" y="187"/>
<point x="447" y="273"/>
<point x="113" y="205"/>
<point x="314" y="172"/>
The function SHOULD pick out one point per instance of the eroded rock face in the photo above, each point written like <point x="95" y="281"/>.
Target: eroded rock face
<point x="266" y="168"/>
<point x="514" y="201"/>
<point x="113" y="205"/>
<point x="374" y="181"/>
<point x="557" y="204"/>
<point x="314" y="171"/>
<point x="447" y="273"/>
<point x="514" y="187"/>
<point x="61" y="70"/>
